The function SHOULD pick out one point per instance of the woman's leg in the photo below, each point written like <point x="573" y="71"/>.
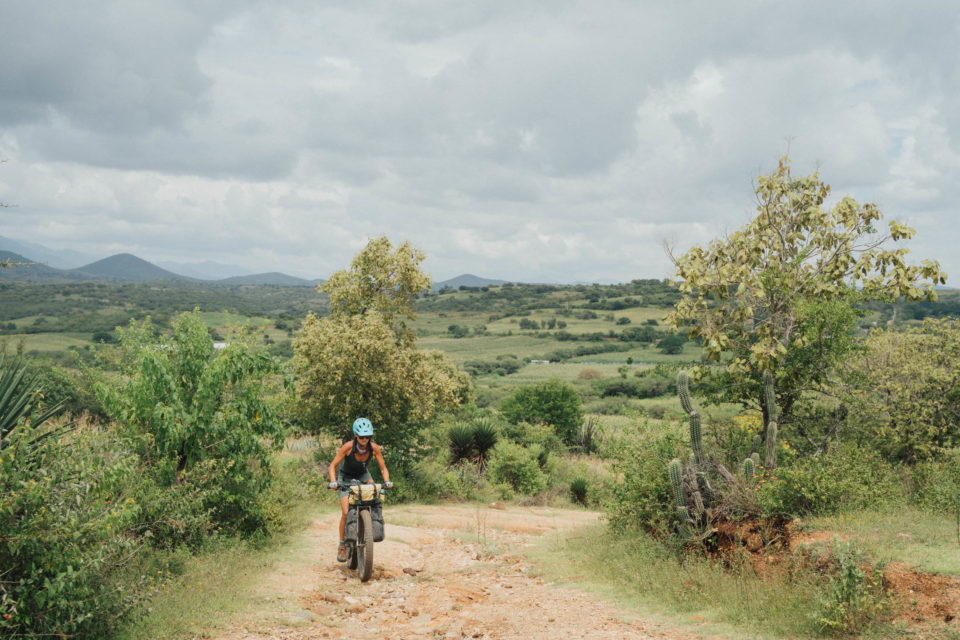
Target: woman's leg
<point x="343" y="517"/>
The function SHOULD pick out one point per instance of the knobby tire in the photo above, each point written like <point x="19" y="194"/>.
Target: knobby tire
<point x="365" y="538"/>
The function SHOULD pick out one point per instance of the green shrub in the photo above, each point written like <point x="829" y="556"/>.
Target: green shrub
<point x="68" y="388"/>
<point x="855" y="597"/>
<point x="431" y="479"/>
<point x="533" y="435"/>
<point x="199" y="419"/>
<point x="67" y="552"/>
<point x="503" y="365"/>
<point x="849" y="477"/>
<point x="902" y="390"/>
<point x="643" y="499"/>
<point x="610" y="406"/>
<point x="552" y="402"/>
<point x="618" y="387"/>
<point x="517" y="466"/>
<point x="935" y="484"/>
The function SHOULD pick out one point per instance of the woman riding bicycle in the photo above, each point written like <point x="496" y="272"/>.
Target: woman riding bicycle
<point x="354" y="456"/>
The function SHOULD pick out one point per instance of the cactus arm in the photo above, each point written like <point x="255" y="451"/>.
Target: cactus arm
<point x="770" y="461"/>
<point x="770" y="396"/>
<point x="683" y="390"/>
<point x="676" y="484"/>
<point x="696" y="438"/>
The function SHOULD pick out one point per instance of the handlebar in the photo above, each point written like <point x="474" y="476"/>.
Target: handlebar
<point x="383" y="488"/>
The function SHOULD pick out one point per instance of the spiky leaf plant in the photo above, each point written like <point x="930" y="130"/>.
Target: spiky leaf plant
<point x="578" y="490"/>
<point x="460" y="439"/>
<point x="485" y="436"/>
<point x="589" y="435"/>
<point x="21" y="404"/>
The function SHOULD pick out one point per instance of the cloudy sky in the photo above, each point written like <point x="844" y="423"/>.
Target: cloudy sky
<point x="541" y="140"/>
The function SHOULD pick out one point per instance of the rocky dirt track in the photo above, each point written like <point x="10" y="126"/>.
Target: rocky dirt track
<point x="442" y="572"/>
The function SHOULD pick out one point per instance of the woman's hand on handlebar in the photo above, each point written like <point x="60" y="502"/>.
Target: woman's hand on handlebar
<point x="388" y="485"/>
<point x="332" y="485"/>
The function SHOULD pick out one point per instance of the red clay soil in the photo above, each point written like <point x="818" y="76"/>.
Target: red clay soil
<point x="756" y="535"/>
<point x="927" y="598"/>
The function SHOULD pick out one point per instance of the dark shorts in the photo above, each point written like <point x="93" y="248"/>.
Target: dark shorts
<point x="346" y="480"/>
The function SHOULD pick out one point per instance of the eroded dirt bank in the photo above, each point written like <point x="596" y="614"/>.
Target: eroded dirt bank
<point x="442" y="572"/>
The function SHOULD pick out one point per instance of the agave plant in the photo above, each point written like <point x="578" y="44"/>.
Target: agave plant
<point x="485" y="436"/>
<point x="460" y="439"/>
<point x="20" y="404"/>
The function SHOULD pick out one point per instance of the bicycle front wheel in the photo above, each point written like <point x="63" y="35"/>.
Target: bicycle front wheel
<point x="365" y="548"/>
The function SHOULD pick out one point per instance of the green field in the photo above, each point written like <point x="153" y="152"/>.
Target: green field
<point x="45" y="342"/>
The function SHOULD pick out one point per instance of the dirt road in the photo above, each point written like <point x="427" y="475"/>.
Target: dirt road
<point x="442" y="572"/>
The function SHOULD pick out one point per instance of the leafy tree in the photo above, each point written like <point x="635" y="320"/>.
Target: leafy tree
<point x="904" y="391"/>
<point x="458" y="331"/>
<point x="362" y="359"/>
<point x="552" y="402"/>
<point x="672" y="344"/>
<point x="756" y="298"/>
<point x="382" y="279"/>
<point x="198" y="414"/>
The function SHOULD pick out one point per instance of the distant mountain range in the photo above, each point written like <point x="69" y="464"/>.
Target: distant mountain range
<point x="125" y="267"/>
<point x="466" y="280"/>
<point x="56" y="258"/>
<point x="35" y="265"/>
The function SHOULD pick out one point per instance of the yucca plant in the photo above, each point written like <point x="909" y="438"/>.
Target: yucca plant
<point x="21" y="405"/>
<point x="589" y="435"/>
<point x="460" y="439"/>
<point x="485" y="436"/>
<point x="578" y="489"/>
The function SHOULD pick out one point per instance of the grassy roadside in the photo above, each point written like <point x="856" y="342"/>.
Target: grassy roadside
<point x="648" y="579"/>
<point x="924" y="540"/>
<point x="206" y="591"/>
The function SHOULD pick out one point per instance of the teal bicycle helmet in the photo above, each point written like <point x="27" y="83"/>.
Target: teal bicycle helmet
<point x="362" y="427"/>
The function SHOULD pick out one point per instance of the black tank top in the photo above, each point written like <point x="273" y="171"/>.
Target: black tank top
<point x="351" y="465"/>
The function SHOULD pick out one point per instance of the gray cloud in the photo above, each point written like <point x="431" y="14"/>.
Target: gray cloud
<point x="551" y="141"/>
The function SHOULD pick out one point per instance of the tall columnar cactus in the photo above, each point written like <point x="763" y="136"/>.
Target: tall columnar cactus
<point x="683" y="390"/>
<point x="770" y="460"/>
<point x="748" y="469"/>
<point x="770" y="396"/>
<point x="757" y="444"/>
<point x="696" y="431"/>
<point x="676" y="483"/>
<point x="696" y="438"/>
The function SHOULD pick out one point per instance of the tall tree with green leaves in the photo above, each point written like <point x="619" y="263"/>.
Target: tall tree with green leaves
<point x="380" y="279"/>
<point x="778" y="293"/>
<point x="197" y="413"/>
<point x="362" y="360"/>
